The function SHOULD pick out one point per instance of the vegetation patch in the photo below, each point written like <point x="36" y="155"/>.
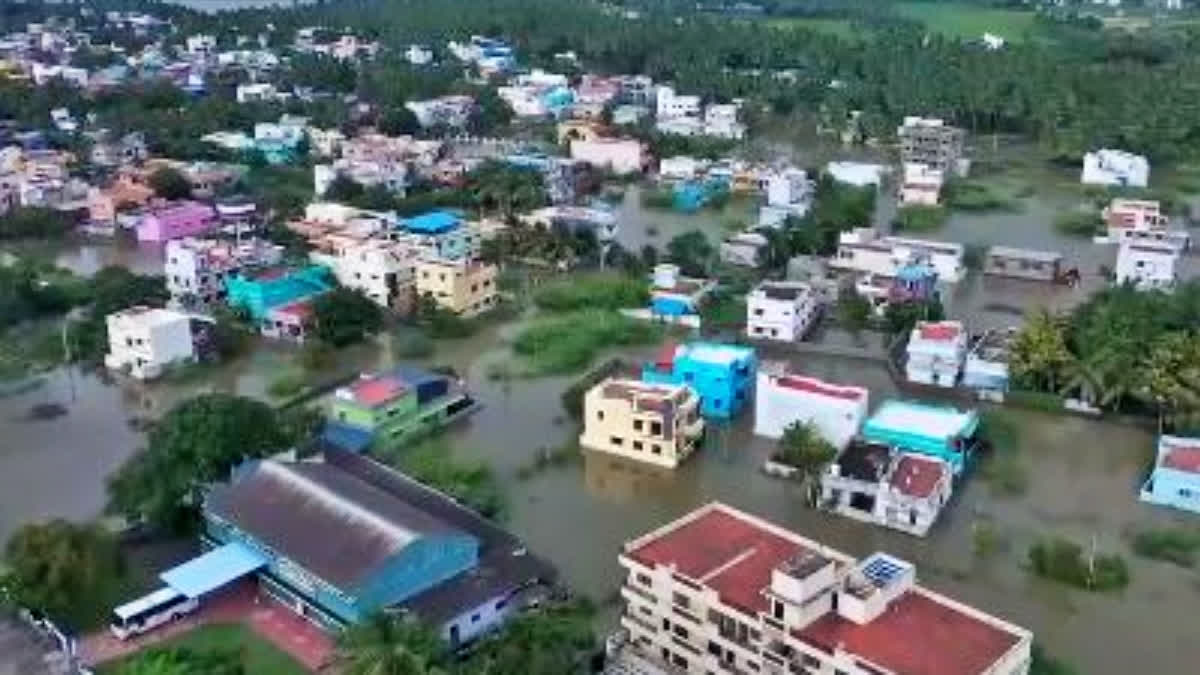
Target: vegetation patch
<point x="215" y="649"/>
<point x="968" y="21"/>
<point x="1064" y="561"/>
<point x="595" y="291"/>
<point x="1173" y="545"/>
<point x="431" y="463"/>
<point x="978" y="196"/>
<point x="1079" y="223"/>
<point x="565" y="343"/>
<point x="919" y="218"/>
<point x="286" y="385"/>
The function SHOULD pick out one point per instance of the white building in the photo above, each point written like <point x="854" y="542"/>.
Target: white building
<point x="619" y="155"/>
<point x="780" y="310"/>
<point x="859" y="174"/>
<point x="382" y="270"/>
<point x="680" y="167"/>
<point x="789" y="193"/>
<point x="936" y="352"/>
<point x="782" y="399"/>
<point x="992" y="42"/>
<point x="1147" y="265"/>
<point x="862" y="250"/>
<point x="1115" y="167"/>
<point x="195" y="269"/>
<point x="721" y="121"/>
<point x="42" y="74"/>
<point x="144" y="341"/>
<point x="447" y="111"/>
<point x="743" y="249"/>
<point x="418" y="55"/>
<point x="876" y="484"/>
<point x="668" y="104"/>
<point x="200" y="44"/>
<point x="921" y="185"/>
<point x="722" y="591"/>
<point x="325" y="142"/>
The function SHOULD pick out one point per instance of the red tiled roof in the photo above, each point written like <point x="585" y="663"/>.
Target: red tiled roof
<point x="917" y="476"/>
<point x="915" y="635"/>
<point x="301" y="308"/>
<point x="377" y="390"/>
<point x="939" y="331"/>
<point x="737" y="553"/>
<point x="1183" y="459"/>
<point x="815" y="386"/>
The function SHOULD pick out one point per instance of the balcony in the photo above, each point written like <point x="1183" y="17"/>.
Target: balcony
<point x="639" y="593"/>
<point x="632" y="622"/>
<point x="692" y="429"/>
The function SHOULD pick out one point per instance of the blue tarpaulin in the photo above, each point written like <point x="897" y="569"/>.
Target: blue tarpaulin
<point x="215" y="569"/>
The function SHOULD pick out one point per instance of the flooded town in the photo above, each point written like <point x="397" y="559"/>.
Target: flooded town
<point x="344" y="342"/>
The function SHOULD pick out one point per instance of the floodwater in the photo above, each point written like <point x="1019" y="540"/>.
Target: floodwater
<point x="641" y="225"/>
<point x="86" y="256"/>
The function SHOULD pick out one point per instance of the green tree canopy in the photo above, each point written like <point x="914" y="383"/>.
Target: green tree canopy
<point x="803" y="448"/>
<point x="390" y="645"/>
<point x="170" y="183"/>
<point x="692" y="252"/>
<point x="183" y="661"/>
<point x="59" y="567"/>
<point x="345" y="316"/>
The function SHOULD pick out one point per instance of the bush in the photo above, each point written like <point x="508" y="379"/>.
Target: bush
<point x="568" y="342"/>
<point x="286" y="385"/>
<point x="599" y="291"/>
<point x="657" y="198"/>
<point x="412" y="344"/>
<point x="471" y="483"/>
<point x="1062" y="560"/>
<point x="572" y="398"/>
<point x="1079" y="223"/>
<point x="919" y="218"/>
<point x="1178" y="545"/>
<point x="973" y="196"/>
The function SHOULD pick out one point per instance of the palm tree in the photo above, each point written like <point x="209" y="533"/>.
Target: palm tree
<point x="389" y="645"/>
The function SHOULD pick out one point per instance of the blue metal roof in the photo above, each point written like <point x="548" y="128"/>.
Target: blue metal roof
<point x="346" y="437"/>
<point x="215" y="569"/>
<point x="432" y="222"/>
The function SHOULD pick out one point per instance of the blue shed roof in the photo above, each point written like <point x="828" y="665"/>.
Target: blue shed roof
<point x="213" y="570"/>
<point x="346" y="437"/>
<point x="433" y="222"/>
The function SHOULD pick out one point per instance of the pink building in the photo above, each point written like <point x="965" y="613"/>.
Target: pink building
<point x="177" y="220"/>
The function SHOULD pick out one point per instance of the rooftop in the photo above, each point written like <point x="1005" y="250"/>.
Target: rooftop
<point x="864" y="461"/>
<point x="939" y="422"/>
<point x="814" y="386"/>
<point x="917" y="633"/>
<point x="1180" y="454"/>
<point x="710" y="352"/>
<point x="938" y="331"/>
<point x="376" y="390"/>
<point x="1024" y="254"/>
<point x="917" y="476"/>
<point x="784" y="290"/>
<point x="433" y="222"/>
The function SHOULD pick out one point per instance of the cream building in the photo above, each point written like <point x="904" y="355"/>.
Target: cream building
<point x="465" y="288"/>
<point x="653" y="423"/>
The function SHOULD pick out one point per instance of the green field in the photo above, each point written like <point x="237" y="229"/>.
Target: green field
<point x="842" y="28"/>
<point x="968" y="21"/>
<point x="259" y="657"/>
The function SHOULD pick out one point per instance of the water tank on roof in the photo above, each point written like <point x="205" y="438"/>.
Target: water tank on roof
<point x="665" y="275"/>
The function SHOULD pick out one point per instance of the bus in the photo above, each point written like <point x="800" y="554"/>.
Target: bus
<point x="141" y="615"/>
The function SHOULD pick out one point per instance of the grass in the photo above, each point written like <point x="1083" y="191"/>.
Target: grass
<point x="920" y="218"/>
<point x="470" y="483"/>
<point x="968" y="195"/>
<point x="1064" y="561"/>
<point x="1173" y="545"/>
<point x="567" y="343"/>
<point x="842" y="28"/>
<point x="593" y="291"/>
<point x="259" y="657"/>
<point x="1003" y="470"/>
<point x="1079" y="223"/>
<point x="968" y="21"/>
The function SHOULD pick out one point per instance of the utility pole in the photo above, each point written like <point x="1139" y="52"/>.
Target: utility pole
<point x="66" y="342"/>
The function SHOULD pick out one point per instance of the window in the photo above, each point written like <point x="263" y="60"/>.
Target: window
<point x="637" y="445"/>
<point x="474" y="618"/>
<point x="777" y="610"/>
<point x="758" y="312"/>
<point x="616" y="440"/>
<point x="714" y="648"/>
<point x="656" y="428"/>
<point x="637" y="425"/>
<point x="656" y="449"/>
<point x="717" y="403"/>
<point x="681" y="631"/>
<point x="1185" y="493"/>
<point x="681" y="600"/>
<point x="599" y="414"/>
<point x="501" y="604"/>
<point x="644" y="579"/>
<point x="666" y="624"/>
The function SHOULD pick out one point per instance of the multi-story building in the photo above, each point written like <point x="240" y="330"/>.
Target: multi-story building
<point x="722" y="591"/>
<point x="877" y="484"/>
<point x="782" y="399"/>
<point x="463" y="287"/>
<point x="673" y="295"/>
<point x="619" y="155"/>
<point x="1175" y="479"/>
<point x="931" y="142"/>
<point x="1147" y="265"/>
<point x="935" y="353"/>
<point x="438" y="234"/>
<point x="447" y="111"/>
<point x="789" y="193"/>
<point x="387" y="409"/>
<point x="781" y="310"/>
<point x="196" y="269"/>
<point x="177" y="220"/>
<point x="722" y="375"/>
<point x="653" y="423"/>
<point x="862" y="250"/>
<point x="381" y="269"/>
<point x="921" y="185"/>
<point x="669" y="104"/>
<point x="940" y="432"/>
<point x="1132" y="221"/>
<point x="144" y="341"/>
<point x="259" y="290"/>
<point x="721" y="121"/>
<point x="1116" y="168"/>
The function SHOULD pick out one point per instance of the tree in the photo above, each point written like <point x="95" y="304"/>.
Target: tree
<point x="344" y="316"/>
<point x="1172" y="379"/>
<point x="344" y="189"/>
<point x="197" y="442"/>
<point x="398" y="121"/>
<point x="183" y="661"/>
<point x="901" y="317"/>
<point x="1039" y="352"/>
<point x="692" y="252"/>
<point x="556" y="641"/>
<point x="649" y="256"/>
<point x="61" y="568"/>
<point x="170" y="184"/>
<point x="112" y="289"/>
<point x="803" y="448"/>
<point x="853" y="310"/>
<point x="390" y="645"/>
<point x="30" y="222"/>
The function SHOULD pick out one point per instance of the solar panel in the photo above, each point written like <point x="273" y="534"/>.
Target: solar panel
<point x="883" y="571"/>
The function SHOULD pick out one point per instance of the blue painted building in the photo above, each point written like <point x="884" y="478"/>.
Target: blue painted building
<point x="343" y="536"/>
<point x="260" y="290"/>
<point x="690" y="195"/>
<point x="1175" y="479"/>
<point x="937" y="431"/>
<point x="722" y="375"/>
<point x="438" y="233"/>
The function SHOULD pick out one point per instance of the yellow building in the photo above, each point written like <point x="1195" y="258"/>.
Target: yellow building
<point x="654" y="423"/>
<point x="465" y="288"/>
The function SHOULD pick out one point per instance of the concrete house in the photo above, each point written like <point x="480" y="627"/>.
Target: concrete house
<point x="782" y="399"/>
<point x="672" y="295"/>
<point x="622" y="156"/>
<point x="723" y="591"/>
<point x="177" y="220"/>
<point x="462" y="287"/>
<point x="781" y="310"/>
<point x="145" y="341"/>
<point x="261" y="290"/>
<point x="1175" y="479"/>
<point x="1148" y="266"/>
<point x="876" y="484"/>
<point x="931" y="142"/>
<point x="1115" y="168"/>
<point x="863" y="250"/>
<point x="722" y="375"/>
<point x="387" y="409"/>
<point x="933" y="431"/>
<point x="195" y="269"/>
<point x="653" y="423"/>
<point x="383" y="270"/>
<point x="935" y="353"/>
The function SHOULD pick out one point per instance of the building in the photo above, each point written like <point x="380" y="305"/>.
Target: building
<point x="680" y="167"/>
<point x="653" y="423"/>
<point x="381" y="269"/>
<point x="1141" y="221"/>
<point x="743" y="249"/>
<point x="935" y="353"/>
<point x="1175" y="479"/>
<point x="388" y="409"/>
<point x="259" y="290"/>
<point x="782" y="399"/>
<point x="446" y="111"/>
<point x="1004" y="261"/>
<point x="864" y="251"/>
<point x="195" y="269"/>
<point x="672" y="295"/>
<point x="622" y="156"/>
<point x="721" y="121"/>
<point x="858" y="174"/>
<point x="256" y="92"/>
<point x="986" y="369"/>
<point x="781" y="310"/>
<point x="939" y="432"/>
<point x="600" y="222"/>
<point x="1115" y="168"/>
<point x="875" y="484"/>
<point x="921" y="185"/>
<point x="384" y="542"/>
<point x="720" y="590"/>
<point x="459" y="286"/>
<point x="722" y="375"/>
<point x="177" y="220"/>
<point x="145" y="341"/>
<point x="933" y="143"/>
<point x="418" y="55"/>
<point x="1147" y="266"/>
<point x="789" y="194"/>
<point x="668" y="104"/>
<point x="438" y="234"/>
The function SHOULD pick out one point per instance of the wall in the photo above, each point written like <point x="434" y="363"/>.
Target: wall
<point x="422" y="565"/>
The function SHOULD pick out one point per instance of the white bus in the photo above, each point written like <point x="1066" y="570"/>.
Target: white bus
<point x="137" y="617"/>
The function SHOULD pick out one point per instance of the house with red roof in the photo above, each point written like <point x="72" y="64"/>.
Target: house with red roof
<point x="1175" y="479"/>
<point x="722" y="591"/>
<point x="876" y="483"/>
<point x="936" y="353"/>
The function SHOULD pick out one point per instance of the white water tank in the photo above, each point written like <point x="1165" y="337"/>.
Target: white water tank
<point x="665" y="275"/>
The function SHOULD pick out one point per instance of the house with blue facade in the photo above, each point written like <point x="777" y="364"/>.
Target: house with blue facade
<point x="441" y="234"/>
<point x="722" y="375"/>
<point x="341" y="536"/>
<point x="259" y="291"/>
<point x="936" y="431"/>
<point x="1175" y="479"/>
<point x="673" y="296"/>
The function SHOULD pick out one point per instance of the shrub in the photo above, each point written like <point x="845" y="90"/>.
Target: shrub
<point x="973" y="196"/>
<point x="572" y="398"/>
<point x="600" y="291"/>
<point x="919" y="218"/>
<point x="286" y="385"/>
<point x="1062" y="560"/>
<point x="1078" y="223"/>
<point x="568" y="342"/>
<point x="1175" y="545"/>
<point x="411" y="345"/>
